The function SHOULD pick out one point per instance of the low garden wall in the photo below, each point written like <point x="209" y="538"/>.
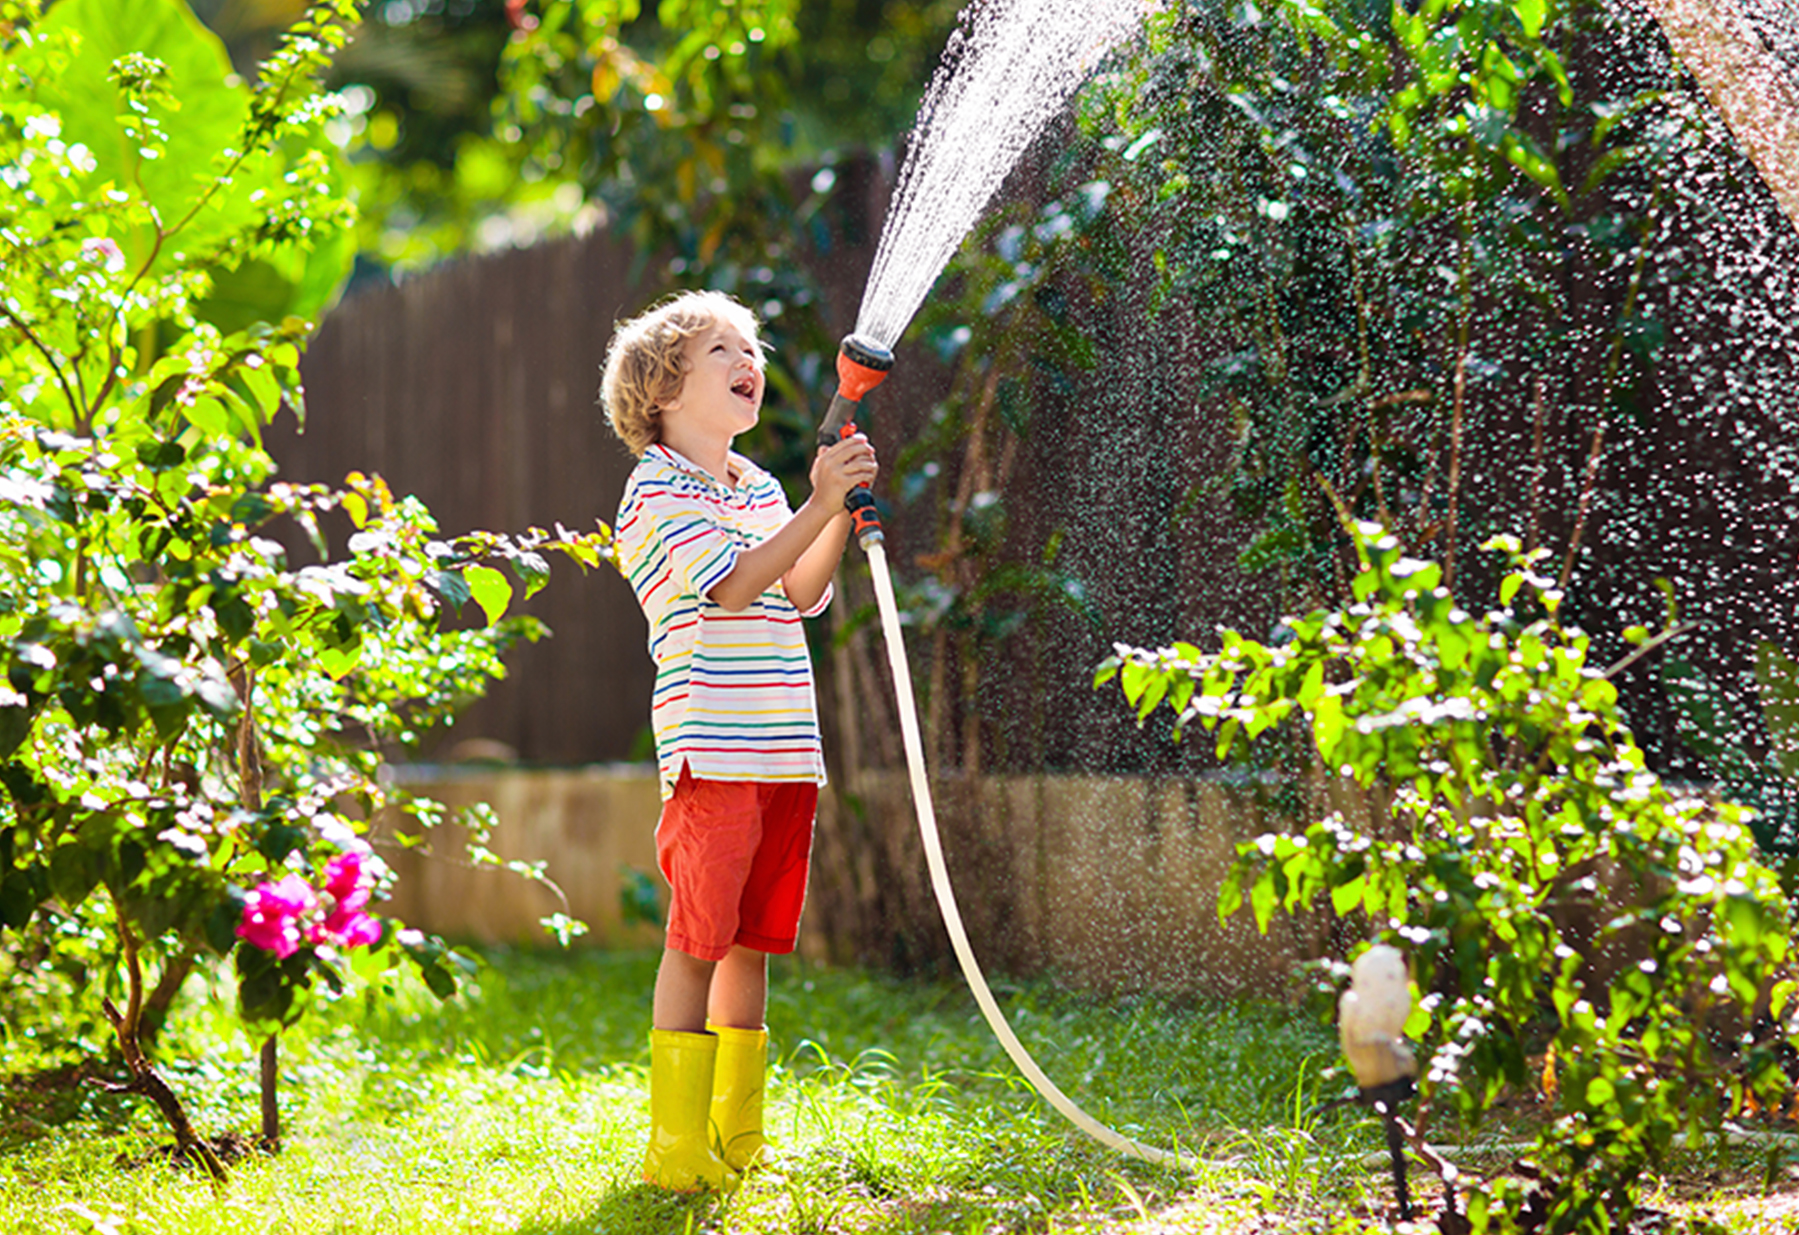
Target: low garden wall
<point x="1102" y="882"/>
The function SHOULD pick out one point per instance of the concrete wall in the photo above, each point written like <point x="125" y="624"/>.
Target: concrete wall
<point x="587" y="824"/>
<point x="1106" y="883"/>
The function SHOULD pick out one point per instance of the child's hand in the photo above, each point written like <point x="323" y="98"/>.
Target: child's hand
<point x="842" y="466"/>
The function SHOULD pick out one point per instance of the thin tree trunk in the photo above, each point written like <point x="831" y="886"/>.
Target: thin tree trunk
<point x="162" y="997"/>
<point x="144" y="1078"/>
<point x="249" y="794"/>
<point x="271" y="1109"/>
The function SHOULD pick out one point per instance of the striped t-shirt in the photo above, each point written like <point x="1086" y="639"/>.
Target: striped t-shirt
<point x="733" y="698"/>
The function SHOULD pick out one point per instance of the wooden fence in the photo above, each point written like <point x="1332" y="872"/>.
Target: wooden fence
<point x="473" y="387"/>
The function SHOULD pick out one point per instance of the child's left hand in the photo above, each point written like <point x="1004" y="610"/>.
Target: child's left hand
<point x="843" y="466"/>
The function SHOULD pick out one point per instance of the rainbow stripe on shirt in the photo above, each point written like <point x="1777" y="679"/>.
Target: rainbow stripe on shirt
<point x="733" y="697"/>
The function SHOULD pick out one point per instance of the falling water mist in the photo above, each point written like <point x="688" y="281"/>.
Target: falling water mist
<point x="1698" y="486"/>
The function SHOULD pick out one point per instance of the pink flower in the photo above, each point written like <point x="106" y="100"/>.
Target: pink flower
<point x="346" y="882"/>
<point x="347" y="887"/>
<point x="105" y="252"/>
<point x="279" y="917"/>
<point x="272" y="915"/>
<point x="347" y="930"/>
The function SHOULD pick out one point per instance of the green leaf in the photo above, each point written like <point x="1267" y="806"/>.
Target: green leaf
<point x="209" y="416"/>
<point x="165" y="391"/>
<point x="74" y="870"/>
<point x="222" y="921"/>
<point x="357" y="507"/>
<point x="1133" y="677"/>
<point x="1230" y="893"/>
<point x="1529" y="158"/>
<point x="451" y="585"/>
<point x="279" y="840"/>
<point x="1327" y="724"/>
<point x="1530" y="15"/>
<point x="490" y="590"/>
<point x="158" y="455"/>
<point x="251" y="510"/>
<point x="1347" y="895"/>
<point x="440" y="980"/>
<point x="340" y="662"/>
<point x="1311" y="689"/>
<point x="211" y="115"/>
<point x="1262" y="900"/>
<point x="1778" y="677"/>
<point x="159" y="690"/>
<point x="532" y="571"/>
<point x="1107" y="670"/>
<point x="18" y="899"/>
<point x="265" y="993"/>
<point x="15" y="727"/>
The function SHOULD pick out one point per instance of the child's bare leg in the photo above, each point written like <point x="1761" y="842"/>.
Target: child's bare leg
<point x="682" y="983"/>
<point x="739" y="996"/>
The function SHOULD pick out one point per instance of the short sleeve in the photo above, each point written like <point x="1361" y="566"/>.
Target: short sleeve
<point x="700" y="552"/>
<point x="824" y="602"/>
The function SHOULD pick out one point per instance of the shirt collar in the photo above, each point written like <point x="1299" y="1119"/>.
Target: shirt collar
<point x="746" y="470"/>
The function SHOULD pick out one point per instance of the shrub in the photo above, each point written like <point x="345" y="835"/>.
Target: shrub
<point x="190" y="724"/>
<point x="1503" y="804"/>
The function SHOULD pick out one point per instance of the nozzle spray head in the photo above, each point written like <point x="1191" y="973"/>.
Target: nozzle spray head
<point x="862" y="363"/>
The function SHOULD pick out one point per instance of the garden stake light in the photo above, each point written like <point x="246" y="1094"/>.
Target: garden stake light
<point x="1371" y="1022"/>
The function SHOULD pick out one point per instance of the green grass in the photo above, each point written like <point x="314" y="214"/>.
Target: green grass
<point x="521" y="1107"/>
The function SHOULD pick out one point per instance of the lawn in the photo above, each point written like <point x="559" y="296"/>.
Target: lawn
<point x="521" y="1107"/>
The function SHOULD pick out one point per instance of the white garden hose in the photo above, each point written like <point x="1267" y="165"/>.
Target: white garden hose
<point x="946" y="897"/>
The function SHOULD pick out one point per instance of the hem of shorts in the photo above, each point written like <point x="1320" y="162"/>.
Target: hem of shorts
<point x="698" y="950"/>
<point x="766" y="943"/>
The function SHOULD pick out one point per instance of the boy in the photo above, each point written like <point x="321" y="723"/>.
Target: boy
<point x="724" y="572"/>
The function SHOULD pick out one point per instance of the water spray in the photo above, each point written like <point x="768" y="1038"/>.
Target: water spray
<point x="862" y="364"/>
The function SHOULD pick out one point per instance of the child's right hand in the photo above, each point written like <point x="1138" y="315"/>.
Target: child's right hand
<point x="843" y="466"/>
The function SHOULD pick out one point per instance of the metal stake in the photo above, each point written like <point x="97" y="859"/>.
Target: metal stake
<point x="1385" y="1099"/>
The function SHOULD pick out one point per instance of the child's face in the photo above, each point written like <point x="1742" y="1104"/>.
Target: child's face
<point x="721" y="395"/>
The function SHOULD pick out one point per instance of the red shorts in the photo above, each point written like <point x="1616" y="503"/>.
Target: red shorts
<point x="735" y="855"/>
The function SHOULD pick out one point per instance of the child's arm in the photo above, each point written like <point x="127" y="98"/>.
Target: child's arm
<point x="804" y="553"/>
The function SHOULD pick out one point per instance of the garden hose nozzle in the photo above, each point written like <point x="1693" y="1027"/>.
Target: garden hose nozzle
<point x="862" y="363"/>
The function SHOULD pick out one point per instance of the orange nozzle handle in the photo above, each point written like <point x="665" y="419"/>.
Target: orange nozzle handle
<point x="862" y="363"/>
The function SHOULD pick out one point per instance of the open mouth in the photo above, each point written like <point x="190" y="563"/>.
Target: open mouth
<point x="744" y="387"/>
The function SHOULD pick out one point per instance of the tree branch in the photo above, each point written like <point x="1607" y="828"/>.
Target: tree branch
<point x="49" y="358"/>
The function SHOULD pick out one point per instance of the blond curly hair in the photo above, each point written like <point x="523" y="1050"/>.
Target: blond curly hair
<point x="644" y="363"/>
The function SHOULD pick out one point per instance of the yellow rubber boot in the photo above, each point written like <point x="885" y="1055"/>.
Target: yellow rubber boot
<point x="737" y="1095"/>
<point x="681" y="1156"/>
